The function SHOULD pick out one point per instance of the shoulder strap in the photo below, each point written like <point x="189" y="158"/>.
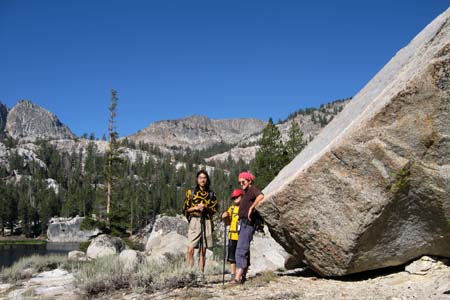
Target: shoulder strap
<point x="192" y="194"/>
<point x="234" y="212"/>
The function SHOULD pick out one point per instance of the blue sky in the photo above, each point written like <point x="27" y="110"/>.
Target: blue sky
<point x="173" y="58"/>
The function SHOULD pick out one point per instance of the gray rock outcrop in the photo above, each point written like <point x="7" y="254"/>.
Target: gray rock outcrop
<point x="236" y="153"/>
<point x="3" y="118"/>
<point x="3" y="155"/>
<point x="421" y="266"/>
<point x="266" y="253"/>
<point x="67" y="230"/>
<point x="105" y="245"/>
<point x="131" y="259"/>
<point x="372" y="189"/>
<point x="168" y="236"/>
<point x="54" y="284"/>
<point x="76" y="255"/>
<point x="29" y="121"/>
<point x="198" y="132"/>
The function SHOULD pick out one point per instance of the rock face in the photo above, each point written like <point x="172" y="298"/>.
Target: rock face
<point x="372" y="189"/>
<point x="55" y="284"/>
<point x="266" y="254"/>
<point x="169" y="235"/>
<point x="105" y="245"/>
<point x="67" y="230"/>
<point x="3" y="118"/>
<point x="29" y="121"/>
<point x="198" y="132"/>
<point x="237" y="153"/>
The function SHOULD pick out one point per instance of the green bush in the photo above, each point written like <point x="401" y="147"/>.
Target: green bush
<point x="91" y="224"/>
<point x="134" y="245"/>
<point x="84" y="246"/>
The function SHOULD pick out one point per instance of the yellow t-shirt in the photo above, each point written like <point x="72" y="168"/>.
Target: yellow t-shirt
<point x="233" y="211"/>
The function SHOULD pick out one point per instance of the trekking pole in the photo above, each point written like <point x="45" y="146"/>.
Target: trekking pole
<point x="200" y="242"/>
<point x="230" y="187"/>
<point x="203" y="240"/>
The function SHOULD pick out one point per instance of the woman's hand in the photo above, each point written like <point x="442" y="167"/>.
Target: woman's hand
<point x="250" y="212"/>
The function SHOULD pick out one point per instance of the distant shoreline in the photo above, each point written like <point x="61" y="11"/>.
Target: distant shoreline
<point x="22" y="241"/>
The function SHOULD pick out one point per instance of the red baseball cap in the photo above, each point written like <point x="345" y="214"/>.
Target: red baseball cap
<point x="236" y="193"/>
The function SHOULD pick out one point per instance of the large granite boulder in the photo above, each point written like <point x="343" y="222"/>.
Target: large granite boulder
<point x="372" y="189"/>
<point x="169" y="236"/>
<point x="105" y="245"/>
<point x="131" y="259"/>
<point x="67" y="230"/>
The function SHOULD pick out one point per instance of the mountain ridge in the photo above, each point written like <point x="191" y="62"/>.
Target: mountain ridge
<point x="28" y="121"/>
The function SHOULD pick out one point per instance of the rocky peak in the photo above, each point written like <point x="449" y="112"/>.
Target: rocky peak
<point x="3" y="118"/>
<point x="198" y="132"/>
<point x="29" y="121"/>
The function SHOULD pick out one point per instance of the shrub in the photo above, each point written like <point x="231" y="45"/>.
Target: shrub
<point x="107" y="274"/>
<point x="104" y="274"/>
<point x="27" y="266"/>
<point x="84" y="246"/>
<point x="134" y="245"/>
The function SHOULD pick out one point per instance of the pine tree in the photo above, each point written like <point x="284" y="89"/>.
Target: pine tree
<point x="271" y="156"/>
<point x="295" y="144"/>
<point x="112" y="153"/>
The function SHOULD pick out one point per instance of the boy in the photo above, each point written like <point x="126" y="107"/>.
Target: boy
<point x="232" y="218"/>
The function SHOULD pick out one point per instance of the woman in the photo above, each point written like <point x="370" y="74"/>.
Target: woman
<point x="250" y="200"/>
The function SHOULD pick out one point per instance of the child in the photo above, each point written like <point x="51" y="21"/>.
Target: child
<point x="232" y="218"/>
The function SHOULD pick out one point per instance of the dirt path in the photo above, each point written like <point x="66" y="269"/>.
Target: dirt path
<point x="434" y="284"/>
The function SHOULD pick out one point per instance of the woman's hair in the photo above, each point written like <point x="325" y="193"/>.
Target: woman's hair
<point x="208" y="181"/>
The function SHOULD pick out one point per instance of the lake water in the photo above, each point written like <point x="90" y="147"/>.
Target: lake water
<point x="12" y="253"/>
